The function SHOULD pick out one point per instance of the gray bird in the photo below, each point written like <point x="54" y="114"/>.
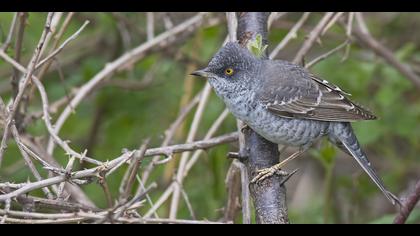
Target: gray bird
<point x="286" y="104"/>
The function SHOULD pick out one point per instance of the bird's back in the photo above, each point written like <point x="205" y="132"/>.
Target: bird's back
<point x="291" y="91"/>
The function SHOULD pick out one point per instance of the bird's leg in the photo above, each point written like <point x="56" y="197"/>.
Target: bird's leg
<point x="282" y="149"/>
<point x="275" y="169"/>
<point x="244" y="128"/>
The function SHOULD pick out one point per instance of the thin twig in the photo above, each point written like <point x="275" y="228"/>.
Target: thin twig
<point x="233" y="186"/>
<point x="10" y="34"/>
<point x="25" y="82"/>
<point x="170" y="132"/>
<point x="69" y="167"/>
<point x="348" y="34"/>
<point x="59" y="49"/>
<point x="312" y="38"/>
<point x="128" y="58"/>
<point x="45" y="106"/>
<point x="188" y="203"/>
<point x="331" y="22"/>
<point x="109" y="166"/>
<point x="326" y="55"/>
<point x="210" y="133"/>
<point x="246" y="203"/>
<point x="6" y="211"/>
<point x="60" y="205"/>
<point x="28" y="161"/>
<point x="142" y="189"/>
<point x="105" y="188"/>
<point x="232" y="25"/>
<point x="150" y="26"/>
<point x="362" y="34"/>
<point x="127" y="183"/>
<point x="18" y="49"/>
<point x="185" y="156"/>
<point x="291" y="35"/>
<point x="138" y="197"/>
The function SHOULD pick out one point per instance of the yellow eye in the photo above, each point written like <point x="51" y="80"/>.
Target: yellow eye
<point x="229" y="71"/>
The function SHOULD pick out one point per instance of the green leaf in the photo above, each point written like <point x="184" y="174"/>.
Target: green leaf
<point x="255" y="46"/>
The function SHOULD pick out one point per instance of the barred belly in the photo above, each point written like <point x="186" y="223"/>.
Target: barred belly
<point x="291" y="132"/>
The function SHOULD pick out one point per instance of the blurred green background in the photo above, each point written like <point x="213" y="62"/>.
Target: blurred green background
<point x="329" y="187"/>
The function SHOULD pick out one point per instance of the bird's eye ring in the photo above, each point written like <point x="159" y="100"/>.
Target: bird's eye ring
<point x="229" y="71"/>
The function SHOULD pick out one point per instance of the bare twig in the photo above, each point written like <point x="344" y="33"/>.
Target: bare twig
<point x="131" y="173"/>
<point x="38" y="153"/>
<point x="25" y="82"/>
<point x="11" y="32"/>
<point x="273" y="17"/>
<point x="210" y="133"/>
<point x="325" y="55"/>
<point x="312" y="38"/>
<point x="203" y="144"/>
<point x="6" y="211"/>
<point x="348" y="34"/>
<point x="18" y="48"/>
<point x="162" y="199"/>
<point x="194" y="158"/>
<point x="362" y="34"/>
<point x="150" y="25"/>
<point x="110" y="166"/>
<point x="28" y="160"/>
<point x="291" y="35"/>
<point x="170" y="132"/>
<point x="126" y="59"/>
<point x="57" y="38"/>
<point x="233" y="186"/>
<point x="45" y="107"/>
<point x="138" y="197"/>
<point x="232" y="25"/>
<point x="44" y="218"/>
<point x="59" y="49"/>
<point x="105" y="188"/>
<point x="188" y="203"/>
<point x="408" y="205"/>
<point x="246" y="204"/>
<point x="54" y="204"/>
<point x="184" y="158"/>
<point x="68" y="170"/>
<point x="331" y="22"/>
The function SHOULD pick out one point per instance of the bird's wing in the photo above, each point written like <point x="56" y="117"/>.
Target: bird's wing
<point x="290" y="91"/>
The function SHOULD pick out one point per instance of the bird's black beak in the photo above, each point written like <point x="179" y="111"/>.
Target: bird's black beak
<point x="202" y="73"/>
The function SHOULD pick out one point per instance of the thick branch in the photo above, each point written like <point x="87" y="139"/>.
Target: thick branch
<point x="269" y="197"/>
<point x="408" y="205"/>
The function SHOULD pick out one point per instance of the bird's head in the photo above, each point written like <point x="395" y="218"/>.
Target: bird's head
<point x="231" y="68"/>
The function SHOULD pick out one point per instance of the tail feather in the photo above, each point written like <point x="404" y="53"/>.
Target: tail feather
<point x="343" y="137"/>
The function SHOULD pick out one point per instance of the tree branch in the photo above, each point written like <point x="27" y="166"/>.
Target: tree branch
<point x="270" y="196"/>
<point x="408" y="205"/>
<point x="362" y="35"/>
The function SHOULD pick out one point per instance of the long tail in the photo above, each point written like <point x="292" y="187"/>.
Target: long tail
<point x="343" y="136"/>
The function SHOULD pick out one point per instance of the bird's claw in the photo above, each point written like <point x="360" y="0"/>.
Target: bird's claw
<point x="267" y="172"/>
<point x="244" y="128"/>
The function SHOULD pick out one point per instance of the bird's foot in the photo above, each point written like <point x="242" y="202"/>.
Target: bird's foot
<point x="276" y="169"/>
<point x="267" y="172"/>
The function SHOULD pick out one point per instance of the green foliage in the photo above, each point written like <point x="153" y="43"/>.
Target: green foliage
<point x="255" y="46"/>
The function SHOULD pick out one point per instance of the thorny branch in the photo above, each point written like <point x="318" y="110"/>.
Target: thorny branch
<point x="18" y="192"/>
